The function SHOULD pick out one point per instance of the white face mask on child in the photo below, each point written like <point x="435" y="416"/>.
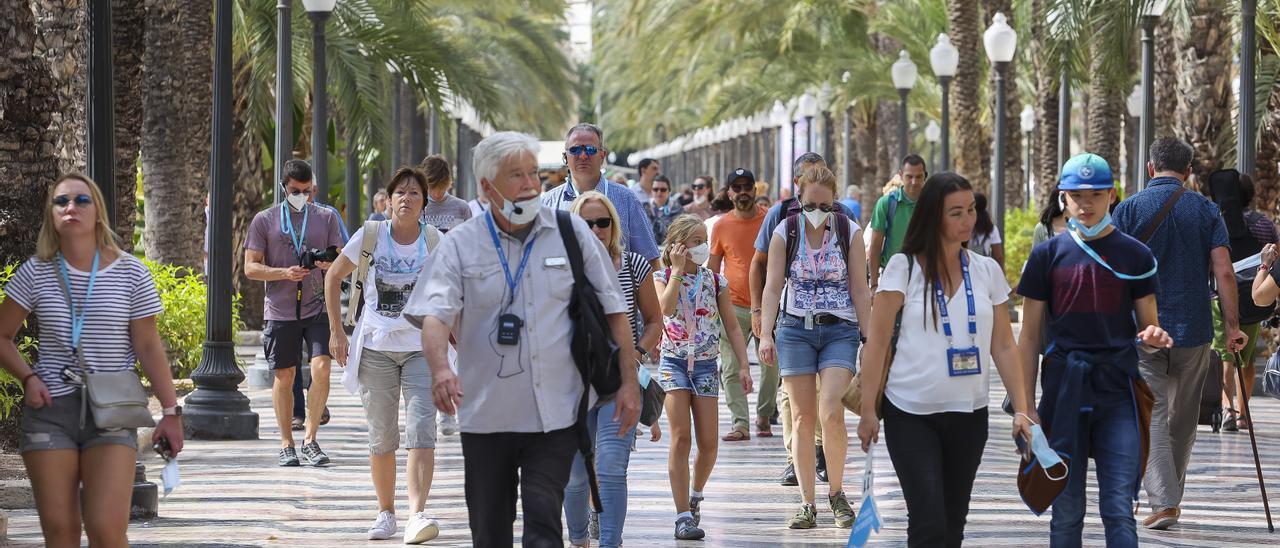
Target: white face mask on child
<point x="700" y="253"/>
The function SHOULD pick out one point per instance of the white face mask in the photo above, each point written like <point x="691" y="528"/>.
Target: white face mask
<point x="817" y="217"/>
<point x="297" y="201"/>
<point x="522" y="212"/>
<point x="700" y="253"/>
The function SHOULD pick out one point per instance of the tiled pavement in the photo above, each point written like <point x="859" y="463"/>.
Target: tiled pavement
<point x="234" y="495"/>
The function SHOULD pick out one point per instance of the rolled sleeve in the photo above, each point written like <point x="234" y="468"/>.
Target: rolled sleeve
<point x="438" y="293"/>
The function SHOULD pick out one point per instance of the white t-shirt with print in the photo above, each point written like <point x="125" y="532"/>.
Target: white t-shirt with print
<point x="919" y="381"/>
<point x="390" y="281"/>
<point x="832" y="281"/>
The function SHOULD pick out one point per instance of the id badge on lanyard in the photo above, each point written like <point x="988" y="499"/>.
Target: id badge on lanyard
<point x="819" y="261"/>
<point x="960" y="361"/>
<point x="691" y="316"/>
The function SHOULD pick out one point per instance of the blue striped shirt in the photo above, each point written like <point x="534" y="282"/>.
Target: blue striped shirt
<point x="636" y="232"/>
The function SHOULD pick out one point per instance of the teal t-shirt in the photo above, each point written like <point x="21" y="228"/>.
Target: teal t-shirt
<point x="894" y="234"/>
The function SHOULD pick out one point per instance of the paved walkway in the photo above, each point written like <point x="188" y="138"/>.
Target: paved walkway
<point x="234" y="495"/>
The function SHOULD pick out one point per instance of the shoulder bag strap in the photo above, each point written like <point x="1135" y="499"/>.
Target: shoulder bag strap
<point x="361" y="274"/>
<point x="433" y="237"/>
<point x="1164" y="212"/>
<point x="84" y="367"/>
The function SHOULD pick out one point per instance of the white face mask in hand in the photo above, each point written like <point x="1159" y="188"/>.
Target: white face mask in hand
<point x="700" y="253"/>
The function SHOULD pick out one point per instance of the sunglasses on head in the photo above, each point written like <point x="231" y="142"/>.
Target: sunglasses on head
<point x="742" y="187"/>
<point x="81" y="200"/>
<point x="825" y="208"/>
<point x="602" y="222"/>
<point x="578" y="150"/>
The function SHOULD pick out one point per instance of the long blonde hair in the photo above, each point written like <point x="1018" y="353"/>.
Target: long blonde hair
<point x="615" y="232"/>
<point x="49" y="242"/>
<point x="680" y="229"/>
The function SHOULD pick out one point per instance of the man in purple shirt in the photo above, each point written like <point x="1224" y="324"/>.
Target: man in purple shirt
<point x="279" y="251"/>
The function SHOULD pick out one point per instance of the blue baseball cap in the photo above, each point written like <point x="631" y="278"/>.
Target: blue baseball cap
<point x="1085" y="172"/>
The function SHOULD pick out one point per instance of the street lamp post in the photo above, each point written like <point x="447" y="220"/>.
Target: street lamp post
<point x="319" y="11"/>
<point x="808" y="109"/>
<point x="1245" y="152"/>
<point x="1134" y="105"/>
<point x="102" y="136"/>
<point x="1000" y="41"/>
<point x="945" y="59"/>
<point x="904" y="78"/>
<point x="1146" y="126"/>
<point x="284" y="93"/>
<point x="778" y="120"/>
<point x="1028" y="123"/>
<point x="216" y="410"/>
<point x="931" y="134"/>
<point x="1064" y="113"/>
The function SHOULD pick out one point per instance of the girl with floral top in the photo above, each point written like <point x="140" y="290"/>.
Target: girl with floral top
<point x="692" y="298"/>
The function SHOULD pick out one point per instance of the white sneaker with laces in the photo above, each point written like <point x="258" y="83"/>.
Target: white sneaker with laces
<point x="420" y="529"/>
<point x="384" y="527"/>
<point x="448" y="424"/>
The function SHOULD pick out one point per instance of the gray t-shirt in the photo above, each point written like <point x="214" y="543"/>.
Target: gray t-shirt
<point x="268" y="235"/>
<point x="447" y="213"/>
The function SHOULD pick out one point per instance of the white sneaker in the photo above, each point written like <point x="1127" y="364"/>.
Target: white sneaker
<point x="420" y="529"/>
<point x="448" y="424"/>
<point x="384" y="527"/>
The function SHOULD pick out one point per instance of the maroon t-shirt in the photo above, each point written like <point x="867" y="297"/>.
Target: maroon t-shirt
<point x="268" y="235"/>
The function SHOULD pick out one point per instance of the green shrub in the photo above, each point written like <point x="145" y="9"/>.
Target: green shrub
<point x="182" y="324"/>
<point x="10" y="388"/>
<point x="1019" y="226"/>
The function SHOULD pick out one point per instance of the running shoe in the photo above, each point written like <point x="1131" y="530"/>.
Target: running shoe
<point x="686" y="530"/>
<point x="384" y="527"/>
<point x="841" y="509"/>
<point x="806" y="518"/>
<point x="448" y="425"/>
<point x="420" y="529"/>
<point x="695" y="508"/>
<point x="789" y="478"/>
<point x="314" y="454"/>
<point x="288" y="456"/>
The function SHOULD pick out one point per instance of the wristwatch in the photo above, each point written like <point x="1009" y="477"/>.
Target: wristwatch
<point x="175" y="411"/>
<point x="642" y="352"/>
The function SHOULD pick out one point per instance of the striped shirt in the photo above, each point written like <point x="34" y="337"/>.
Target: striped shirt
<point x="123" y="291"/>
<point x="634" y="271"/>
<point x="637" y="234"/>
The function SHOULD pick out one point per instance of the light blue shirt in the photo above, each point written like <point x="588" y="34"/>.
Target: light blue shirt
<point x="636" y="231"/>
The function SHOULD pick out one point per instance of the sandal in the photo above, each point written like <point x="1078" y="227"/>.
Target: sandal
<point x="736" y="435"/>
<point x="324" y="417"/>
<point x="763" y="430"/>
<point x="297" y="424"/>
<point x="1232" y="422"/>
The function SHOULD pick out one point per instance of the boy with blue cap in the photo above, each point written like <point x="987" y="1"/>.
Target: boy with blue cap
<point x="1090" y="283"/>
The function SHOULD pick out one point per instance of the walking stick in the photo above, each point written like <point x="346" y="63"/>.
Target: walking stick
<point x="1257" y="464"/>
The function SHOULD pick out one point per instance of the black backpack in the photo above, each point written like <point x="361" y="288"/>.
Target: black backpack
<point x="793" y="236"/>
<point x="1224" y="185"/>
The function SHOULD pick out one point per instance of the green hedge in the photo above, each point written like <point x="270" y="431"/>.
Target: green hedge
<point x="1019" y="226"/>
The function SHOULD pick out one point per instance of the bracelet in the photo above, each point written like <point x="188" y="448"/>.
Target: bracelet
<point x="1024" y="415"/>
<point x="27" y="378"/>
<point x="755" y="310"/>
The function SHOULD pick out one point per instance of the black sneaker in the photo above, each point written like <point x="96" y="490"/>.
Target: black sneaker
<point x="789" y="478"/>
<point x="686" y="530"/>
<point x="288" y="457"/>
<point x="314" y="454"/>
<point x="822" y="464"/>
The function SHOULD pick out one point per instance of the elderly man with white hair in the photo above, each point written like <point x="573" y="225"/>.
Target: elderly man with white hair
<point x="502" y="283"/>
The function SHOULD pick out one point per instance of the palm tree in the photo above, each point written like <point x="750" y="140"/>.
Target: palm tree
<point x="1204" y="84"/>
<point x="62" y="31"/>
<point x="971" y="150"/>
<point x="1046" y="67"/>
<point x="128" y="23"/>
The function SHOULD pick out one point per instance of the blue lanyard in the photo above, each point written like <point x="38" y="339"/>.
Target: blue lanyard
<point x="422" y="247"/>
<point x="968" y="294"/>
<point x="286" y="226"/>
<point x="77" y="320"/>
<point x="692" y="296"/>
<point x="512" y="283"/>
<point x="1094" y="255"/>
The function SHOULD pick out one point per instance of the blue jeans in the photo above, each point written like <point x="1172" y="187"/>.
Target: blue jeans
<point x="1110" y="434"/>
<point x="613" y="454"/>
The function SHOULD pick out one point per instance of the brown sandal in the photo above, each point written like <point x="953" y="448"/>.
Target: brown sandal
<point x="763" y="430"/>
<point x="736" y="435"/>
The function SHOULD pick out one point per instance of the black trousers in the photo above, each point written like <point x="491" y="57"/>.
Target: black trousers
<point x="495" y="464"/>
<point x="936" y="458"/>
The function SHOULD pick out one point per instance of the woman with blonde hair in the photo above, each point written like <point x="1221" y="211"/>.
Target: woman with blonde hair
<point x="613" y="453"/>
<point x="96" y="309"/>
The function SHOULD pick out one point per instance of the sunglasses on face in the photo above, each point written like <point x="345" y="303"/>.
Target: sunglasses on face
<point x="578" y="150"/>
<point x="659" y="189"/>
<point x="295" y="192"/>
<point x="81" y="200"/>
<point x="742" y="187"/>
<point x="825" y="208"/>
<point x="699" y="187"/>
<point x="602" y="222"/>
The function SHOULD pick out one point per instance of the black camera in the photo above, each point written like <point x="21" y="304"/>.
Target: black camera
<point x="310" y="257"/>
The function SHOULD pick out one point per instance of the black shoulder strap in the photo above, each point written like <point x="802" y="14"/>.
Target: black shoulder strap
<point x="1164" y="212"/>
<point x="843" y="233"/>
<point x="793" y="242"/>
<point x="571" y="247"/>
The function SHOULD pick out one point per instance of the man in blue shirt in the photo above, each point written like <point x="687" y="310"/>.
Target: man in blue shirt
<point x="853" y="201"/>
<point x="584" y="153"/>
<point x="1191" y="246"/>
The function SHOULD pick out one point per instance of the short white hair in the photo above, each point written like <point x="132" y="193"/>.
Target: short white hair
<point x="490" y="152"/>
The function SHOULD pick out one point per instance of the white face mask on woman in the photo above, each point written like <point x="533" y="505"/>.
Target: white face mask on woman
<point x="817" y="217"/>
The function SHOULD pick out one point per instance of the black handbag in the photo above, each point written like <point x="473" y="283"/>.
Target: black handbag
<point x="652" y="398"/>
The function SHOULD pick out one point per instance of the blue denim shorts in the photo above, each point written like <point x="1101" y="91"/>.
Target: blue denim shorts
<point x="807" y="351"/>
<point x="673" y="374"/>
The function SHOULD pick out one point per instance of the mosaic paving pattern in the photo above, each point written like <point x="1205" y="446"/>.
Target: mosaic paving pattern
<point x="234" y="495"/>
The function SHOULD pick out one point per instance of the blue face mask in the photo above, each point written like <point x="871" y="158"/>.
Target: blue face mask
<point x="1090" y="232"/>
<point x="1045" y="455"/>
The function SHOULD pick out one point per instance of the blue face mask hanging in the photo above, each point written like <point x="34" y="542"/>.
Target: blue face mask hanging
<point x="1076" y="229"/>
<point x="1090" y="232"/>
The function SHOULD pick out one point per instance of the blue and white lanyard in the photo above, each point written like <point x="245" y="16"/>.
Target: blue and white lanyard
<point x="286" y="227"/>
<point x="968" y="294"/>
<point x="512" y="282"/>
<point x="820" y="260"/>
<point x="77" y="319"/>
<point x="422" y="248"/>
<point x="1094" y="255"/>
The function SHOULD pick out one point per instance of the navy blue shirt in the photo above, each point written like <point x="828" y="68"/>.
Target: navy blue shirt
<point x="1089" y="308"/>
<point x="1182" y="244"/>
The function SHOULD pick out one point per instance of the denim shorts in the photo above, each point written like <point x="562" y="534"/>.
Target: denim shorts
<point x="57" y="426"/>
<point x="384" y="376"/>
<point x="807" y="351"/>
<point x="673" y="374"/>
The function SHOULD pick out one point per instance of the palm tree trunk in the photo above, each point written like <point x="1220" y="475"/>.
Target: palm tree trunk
<point x="250" y="182"/>
<point x="1167" y="69"/>
<point x="128" y="24"/>
<point x="863" y="160"/>
<point x="1204" y="86"/>
<point x="1047" y="76"/>
<point x="1014" y="193"/>
<point x="62" y="31"/>
<point x="28" y="153"/>
<point x="175" y="136"/>
<point x="1106" y="106"/>
<point x="971" y="146"/>
<point x="1266" y="176"/>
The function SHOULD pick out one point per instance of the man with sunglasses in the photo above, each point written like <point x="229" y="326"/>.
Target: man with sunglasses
<point x="661" y="209"/>
<point x="701" y="205"/>
<point x="643" y="188"/>
<point x="584" y="153"/>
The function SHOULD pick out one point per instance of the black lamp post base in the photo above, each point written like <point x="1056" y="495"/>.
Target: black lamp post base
<point x="145" y="503"/>
<point x="212" y="414"/>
